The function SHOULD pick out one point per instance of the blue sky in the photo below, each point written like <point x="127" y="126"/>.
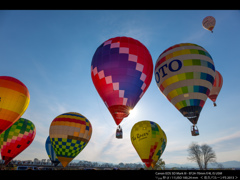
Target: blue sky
<point x="51" y="51"/>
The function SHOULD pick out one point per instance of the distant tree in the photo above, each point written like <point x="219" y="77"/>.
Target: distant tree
<point x="209" y="155"/>
<point x="202" y="155"/>
<point x="160" y="165"/>
<point x="195" y="154"/>
<point x="121" y="164"/>
<point x="220" y="166"/>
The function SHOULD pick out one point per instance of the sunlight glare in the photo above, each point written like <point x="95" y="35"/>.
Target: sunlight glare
<point x="133" y="112"/>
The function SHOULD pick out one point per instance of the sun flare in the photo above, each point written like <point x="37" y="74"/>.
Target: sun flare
<point x="133" y="112"/>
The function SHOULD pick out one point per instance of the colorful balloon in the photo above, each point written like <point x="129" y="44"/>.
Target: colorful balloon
<point x="69" y="134"/>
<point x="149" y="140"/>
<point x="217" y="86"/>
<point x="185" y="73"/>
<point x="50" y="152"/>
<point x="121" y="71"/>
<point x="16" y="139"/>
<point x="14" y="100"/>
<point x="209" y="23"/>
<point x="157" y="155"/>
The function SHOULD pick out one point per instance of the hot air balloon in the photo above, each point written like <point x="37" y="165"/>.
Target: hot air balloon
<point x="14" y="100"/>
<point x="157" y="155"/>
<point x="185" y="73"/>
<point x="217" y="86"/>
<point x="149" y="140"/>
<point x="69" y="134"/>
<point x="209" y="23"/>
<point x="121" y="71"/>
<point x="16" y="139"/>
<point x="50" y="152"/>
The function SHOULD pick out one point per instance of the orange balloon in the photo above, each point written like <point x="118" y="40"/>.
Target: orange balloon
<point x="14" y="100"/>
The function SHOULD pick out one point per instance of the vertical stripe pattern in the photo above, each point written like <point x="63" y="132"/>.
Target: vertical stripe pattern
<point x="217" y="86"/>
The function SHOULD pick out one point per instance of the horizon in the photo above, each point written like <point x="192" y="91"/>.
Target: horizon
<point x="50" y="51"/>
<point x="188" y="164"/>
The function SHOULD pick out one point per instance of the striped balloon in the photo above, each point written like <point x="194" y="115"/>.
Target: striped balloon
<point x="209" y="23"/>
<point x="69" y="134"/>
<point x="50" y="152"/>
<point x="185" y="74"/>
<point x="14" y="100"/>
<point x="16" y="139"/>
<point x="217" y="86"/>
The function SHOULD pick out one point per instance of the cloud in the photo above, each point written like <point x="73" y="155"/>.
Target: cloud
<point x="41" y="71"/>
<point x="174" y="146"/>
<point x="225" y="138"/>
<point x="196" y="36"/>
<point x="135" y="28"/>
<point x="225" y="147"/>
<point x="57" y="108"/>
<point x="104" y="146"/>
<point x="226" y="144"/>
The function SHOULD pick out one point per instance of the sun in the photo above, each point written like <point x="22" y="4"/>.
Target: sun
<point x="133" y="112"/>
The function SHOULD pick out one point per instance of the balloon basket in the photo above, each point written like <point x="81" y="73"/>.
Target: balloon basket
<point x="119" y="133"/>
<point x="194" y="130"/>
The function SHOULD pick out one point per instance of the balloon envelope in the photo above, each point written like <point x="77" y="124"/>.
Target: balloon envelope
<point x="121" y="71"/>
<point x="149" y="140"/>
<point x="159" y="153"/>
<point x="16" y="139"/>
<point x="217" y="86"/>
<point x="209" y="23"/>
<point x="185" y="73"/>
<point x="14" y="100"/>
<point x="50" y="152"/>
<point x="69" y="134"/>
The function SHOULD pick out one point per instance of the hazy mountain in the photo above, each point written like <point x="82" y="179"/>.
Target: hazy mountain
<point x="186" y="165"/>
<point x="227" y="164"/>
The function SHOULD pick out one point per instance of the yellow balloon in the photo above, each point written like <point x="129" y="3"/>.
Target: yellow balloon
<point x="149" y="140"/>
<point x="158" y="153"/>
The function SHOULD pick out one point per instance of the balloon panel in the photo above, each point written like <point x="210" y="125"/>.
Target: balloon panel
<point x="147" y="139"/>
<point x="159" y="153"/>
<point x="14" y="100"/>
<point x="121" y="71"/>
<point x="50" y="151"/>
<point x="184" y="74"/>
<point x="69" y="134"/>
<point x="16" y="139"/>
<point x="217" y="85"/>
<point x="209" y="23"/>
